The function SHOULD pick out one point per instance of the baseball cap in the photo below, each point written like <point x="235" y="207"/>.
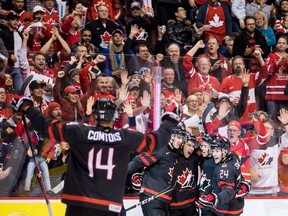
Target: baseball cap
<point x="38" y="8"/>
<point x="71" y="89"/>
<point x="135" y="4"/>
<point x="132" y="84"/>
<point x="223" y="96"/>
<point x="117" y="31"/>
<point x="35" y="84"/>
<point x="235" y="123"/>
<point x="12" y="15"/>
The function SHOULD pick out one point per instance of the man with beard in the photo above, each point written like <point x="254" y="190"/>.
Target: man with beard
<point x="232" y="84"/>
<point x="37" y="72"/>
<point x="86" y="36"/>
<point x="250" y="40"/>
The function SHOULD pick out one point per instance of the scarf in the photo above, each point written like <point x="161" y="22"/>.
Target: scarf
<point x="113" y="50"/>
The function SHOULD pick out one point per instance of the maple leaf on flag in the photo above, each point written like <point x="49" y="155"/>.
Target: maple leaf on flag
<point x="216" y="22"/>
<point x="106" y="37"/>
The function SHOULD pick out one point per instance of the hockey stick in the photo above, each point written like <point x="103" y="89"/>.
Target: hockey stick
<point x="149" y="199"/>
<point x="38" y="171"/>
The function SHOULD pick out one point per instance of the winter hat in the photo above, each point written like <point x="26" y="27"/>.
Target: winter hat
<point x="51" y="107"/>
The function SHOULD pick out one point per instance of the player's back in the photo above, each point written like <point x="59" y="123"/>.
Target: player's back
<point x="97" y="165"/>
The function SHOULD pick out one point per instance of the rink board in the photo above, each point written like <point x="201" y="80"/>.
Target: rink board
<point x="36" y="207"/>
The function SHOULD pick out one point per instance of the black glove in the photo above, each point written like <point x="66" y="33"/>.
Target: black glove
<point x="209" y="200"/>
<point x="18" y="103"/>
<point x="136" y="179"/>
<point x="244" y="189"/>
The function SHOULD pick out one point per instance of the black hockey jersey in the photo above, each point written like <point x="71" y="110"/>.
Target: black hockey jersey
<point x="226" y="179"/>
<point x="99" y="159"/>
<point x="186" y="190"/>
<point x="159" y="171"/>
<point x="207" y="169"/>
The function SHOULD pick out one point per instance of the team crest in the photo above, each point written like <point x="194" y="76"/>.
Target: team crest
<point x="186" y="179"/>
<point x="204" y="181"/>
<point x="265" y="159"/>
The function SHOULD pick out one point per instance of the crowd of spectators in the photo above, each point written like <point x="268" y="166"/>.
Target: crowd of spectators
<point x="224" y="63"/>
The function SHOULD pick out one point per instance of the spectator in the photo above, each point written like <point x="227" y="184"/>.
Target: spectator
<point x="38" y="72"/>
<point x="172" y="59"/>
<point x="238" y="15"/>
<point x="140" y="62"/>
<point x="231" y="85"/>
<point x="215" y="19"/>
<point x="85" y="40"/>
<point x="54" y="57"/>
<point x="25" y="16"/>
<point x="38" y="29"/>
<point x="102" y="27"/>
<point x="277" y="78"/>
<point x="248" y="41"/>
<point x="181" y="31"/>
<point x="281" y="27"/>
<point x="115" y="59"/>
<point x="201" y="77"/>
<point x="13" y="41"/>
<point x="51" y="14"/>
<point x="70" y="28"/>
<point x="267" y="31"/>
<point x="228" y="49"/>
<point x="36" y="88"/>
<point x="220" y="66"/>
<point x="5" y="108"/>
<point x="283" y="156"/>
<point x="258" y="5"/>
<point x="143" y="17"/>
<point x="264" y="163"/>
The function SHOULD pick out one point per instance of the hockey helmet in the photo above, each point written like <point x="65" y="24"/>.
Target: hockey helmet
<point x="191" y="138"/>
<point x="104" y="109"/>
<point x="178" y="130"/>
<point x="221" y="143"/>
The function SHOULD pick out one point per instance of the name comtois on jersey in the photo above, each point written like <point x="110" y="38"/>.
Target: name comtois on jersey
<point x="101" y="136"/>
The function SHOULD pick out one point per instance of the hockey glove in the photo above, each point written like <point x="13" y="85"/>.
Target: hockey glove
<point x="244" y="189"/>
<point x="209" y="200"/>
<point x="172" y="113"/>
<point x="136" y="179"/>
<point x="18" y="104"/>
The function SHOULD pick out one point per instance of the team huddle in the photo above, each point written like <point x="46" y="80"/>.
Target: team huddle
<point x="182" y="174"/>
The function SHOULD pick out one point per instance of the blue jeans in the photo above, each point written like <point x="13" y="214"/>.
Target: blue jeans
<point x="17" y="78"/>
<point x="30" y="172"/>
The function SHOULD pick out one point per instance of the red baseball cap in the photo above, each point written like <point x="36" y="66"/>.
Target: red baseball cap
<point x="235" y="123"/>
<point x="71" y="89"/>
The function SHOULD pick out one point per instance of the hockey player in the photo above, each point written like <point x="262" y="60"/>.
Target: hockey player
<point x="97" y="166"/>
<point x="186" y="170"/>
<point x="158" y="173"/>
<point x="207" y="168"/>
<point x="226" y="181"/>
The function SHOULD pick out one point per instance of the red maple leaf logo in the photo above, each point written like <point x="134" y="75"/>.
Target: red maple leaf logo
<point x="186" y="178"/>
<point x="106" y="37"/>
<point x="262" y="158"/>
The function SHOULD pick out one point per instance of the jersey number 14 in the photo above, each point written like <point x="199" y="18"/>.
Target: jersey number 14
<point x="109" y="166"/>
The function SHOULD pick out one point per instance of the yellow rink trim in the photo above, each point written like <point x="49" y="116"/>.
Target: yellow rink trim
<point x="31" y="208"/>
